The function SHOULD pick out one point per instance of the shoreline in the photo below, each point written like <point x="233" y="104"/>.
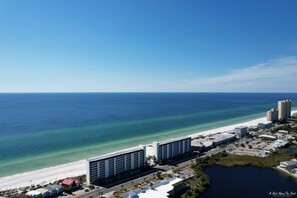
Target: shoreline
<point x="77" y="168"/>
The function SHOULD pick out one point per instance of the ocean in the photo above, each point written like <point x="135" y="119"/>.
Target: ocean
<point x="39" y="130"/>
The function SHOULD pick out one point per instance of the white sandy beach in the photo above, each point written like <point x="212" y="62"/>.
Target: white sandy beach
<point x="47" y="175"/>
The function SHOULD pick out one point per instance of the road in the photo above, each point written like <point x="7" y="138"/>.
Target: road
<point x="163" y="168"/>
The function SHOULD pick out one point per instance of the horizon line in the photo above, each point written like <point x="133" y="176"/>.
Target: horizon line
<point x="82" y="92"/>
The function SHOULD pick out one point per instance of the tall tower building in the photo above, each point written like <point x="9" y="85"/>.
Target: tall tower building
<point x="289" y="103"/>
<point x="284" y="109"/>
<point x="272" y="115"/>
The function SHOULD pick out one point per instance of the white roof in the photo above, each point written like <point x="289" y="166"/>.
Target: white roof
<point x="280" y="141"/>
<point x="282" y="131"/>
<point x="267" y="136"/>
<point x="42" y="190"/>
<point x="220" y="137"/>
<point x="33" y="193"/>
<point x="160" y="191"/>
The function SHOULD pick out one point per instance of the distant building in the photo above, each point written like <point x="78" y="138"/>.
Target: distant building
<point x="240" y="131"/>
<point x="43" y="192"/>
<point x="264" y="125"/>
<point x="280" y="143"/>
<point x="267" y="137"/>
<point x="171" y="148"/>
<point x="272" y="115"/>
<point x="112" y="164"/>
<point x="48" y="191"/>
<point x="289" y="164"/>
<point x="284" y="109"/>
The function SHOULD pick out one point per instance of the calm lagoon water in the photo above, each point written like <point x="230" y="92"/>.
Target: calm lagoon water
<point x="248" y="182"/>
<point x="42" y="130"/>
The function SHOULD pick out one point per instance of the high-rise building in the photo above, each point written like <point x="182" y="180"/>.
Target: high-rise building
<point x="284" y="109"/>
<point x="272" y="115"/>
<point x="170" y="148"/>
<point x="104" y="166"/>
<point x="289" y="103"/>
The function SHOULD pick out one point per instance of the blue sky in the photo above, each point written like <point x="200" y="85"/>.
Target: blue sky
<point x="155" y="46"/>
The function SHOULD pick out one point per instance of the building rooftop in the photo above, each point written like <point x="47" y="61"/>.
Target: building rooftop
<point x="280" y="143"/>
<point x="173" y="140"/>
<point x="202" y="142"/>
<point x="33" y="193"/>
<point x="50" y="188"/>
<point x="116" y="153"/>
<point x="160" y="191"/>
<point x="241" y="127"/>
<point x="42" y="190"/>
<point x="282" y="131"/>
<point x="291" y="162"/>
<point x="220" y="137"/>
<point x="267" y="136"/>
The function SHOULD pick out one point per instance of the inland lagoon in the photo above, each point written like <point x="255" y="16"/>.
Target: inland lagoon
<point x="249" y="181"/>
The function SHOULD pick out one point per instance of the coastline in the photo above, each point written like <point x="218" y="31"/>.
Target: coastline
<point x="54" y="173"/>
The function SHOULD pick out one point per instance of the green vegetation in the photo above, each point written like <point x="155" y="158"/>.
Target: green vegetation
<point x="266" y="162"/>
<point x="286" y="127"/>
<point x="165" y="175"/>
<point x="199" y="184"/>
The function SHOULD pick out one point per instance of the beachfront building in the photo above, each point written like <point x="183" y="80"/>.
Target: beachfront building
<point x="272" y="115"/>
<point x="43" y="192"/>
<point x="284" y="109"/>
<point x="33" y="193"/>
<point x="114" y="164"/>
<point x="221" y="138"/>
<point x="171" y="148"/>
<point x="201" y="144"/>
<point x="240" y="131"/>
<point x="47" y="191"/>
<point x="54" y="189"/>
<point x="70" y="184"/>
<point x="263" y="125"/>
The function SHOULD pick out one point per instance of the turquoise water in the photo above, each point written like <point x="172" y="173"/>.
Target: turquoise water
<point x="42" y="130"/>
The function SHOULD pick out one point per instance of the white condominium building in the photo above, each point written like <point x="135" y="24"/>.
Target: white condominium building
<point x="112" y="164"/>
<point x="170" y="148"/>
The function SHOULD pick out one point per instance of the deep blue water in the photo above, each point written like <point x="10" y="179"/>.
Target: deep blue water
<point x="41" y="130"/>
<point x="248" y="182"/>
